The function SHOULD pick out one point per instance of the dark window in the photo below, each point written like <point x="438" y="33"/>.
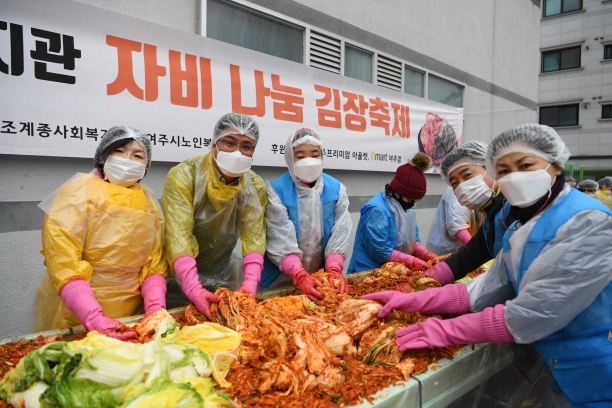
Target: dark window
<point x="565" y="115"/>
<point x="446" y="92"/>
<point x="557" y="60"/>
<point x="608" y="52"/>
<point x="357" y="63"/>
<point x="249" y="29"/>
<point x="606" y="112"/>
<point x="554" y="7"/>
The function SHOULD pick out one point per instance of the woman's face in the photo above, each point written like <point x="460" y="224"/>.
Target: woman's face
<point x="306" y="150"/>
<point x="520" y="161"/>
<point x="133" y="151"/>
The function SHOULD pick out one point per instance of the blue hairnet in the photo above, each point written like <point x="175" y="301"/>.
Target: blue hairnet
<point x="532" y="138"/>
<point x="470" y="153"/>
<point x="235" y="124"/>
<point x="123" y="132"/>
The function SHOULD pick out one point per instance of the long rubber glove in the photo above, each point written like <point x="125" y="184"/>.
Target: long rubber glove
<point x="422" y="253"/>
<point x="334" y="264"/>
<point x="451" y="299"/>
<point x="187" y="272"/>
<point x="153" y="292"/>
<point x="486" y="326"/>
<point x="80" y="299"/>
<point x="411" y="262"/>
<point x="464" y="236"/>
<point x="252" y="266"/>
<point x="292" y="266"/>
<point x="442" y="273"/>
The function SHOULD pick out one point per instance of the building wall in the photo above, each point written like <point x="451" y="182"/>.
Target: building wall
<point x="591" y="142"/>
<point x="488" y="45"/>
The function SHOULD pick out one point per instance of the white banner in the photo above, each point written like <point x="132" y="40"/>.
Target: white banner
<point x="69" y="71"/>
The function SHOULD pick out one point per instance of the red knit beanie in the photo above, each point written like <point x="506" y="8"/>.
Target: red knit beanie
<point x="409" y="180"/>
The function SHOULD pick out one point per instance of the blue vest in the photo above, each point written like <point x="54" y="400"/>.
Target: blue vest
<point x="500" y="230"/>
<point x="360" y="260"/>
<point x="287" y="192"/>
<point x="580" y="354"/>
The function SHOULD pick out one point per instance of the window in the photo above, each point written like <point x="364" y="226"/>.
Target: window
<point x="445" y="92"/>
<point x="565" y="115"/>
<point x="249" y="29"/>
<point x="357" y="63"/>
<point x="606" y="112"/>
<point x="608" y="52"/>
<point x="561" y="59"/>
<point x="554" y="7"/>
<point x="414" y="81"/>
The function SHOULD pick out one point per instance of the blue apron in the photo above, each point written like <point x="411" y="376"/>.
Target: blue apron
<point x="500" y="230"/>
<point x="579" y="355"/>
<point x="287" y="192"/>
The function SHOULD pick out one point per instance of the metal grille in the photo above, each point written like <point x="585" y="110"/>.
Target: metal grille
<point x="389" y="73"/>
<point x="325" y="52"/>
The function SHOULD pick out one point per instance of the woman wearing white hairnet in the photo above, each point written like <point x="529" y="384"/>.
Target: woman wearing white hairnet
<point x="102" y="241"/>
<point x="209" y="201"/>
<point x="550" y="285"/>
<point x="307" y="220"/>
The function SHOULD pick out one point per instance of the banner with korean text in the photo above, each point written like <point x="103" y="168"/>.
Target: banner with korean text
<point x="68" y="71"/>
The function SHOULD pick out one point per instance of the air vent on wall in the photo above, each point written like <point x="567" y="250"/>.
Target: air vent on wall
<point x="389" y="73"/>
<point x="325" y="52"/>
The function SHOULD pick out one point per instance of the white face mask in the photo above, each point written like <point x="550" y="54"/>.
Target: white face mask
<point x="123" y="172"/>
<point x="590" y="194"/>
<point x="308" y="169"/>
<point x="233" y="164"/>
<point x="473" y="193"/>
<point x="523" y="188"/>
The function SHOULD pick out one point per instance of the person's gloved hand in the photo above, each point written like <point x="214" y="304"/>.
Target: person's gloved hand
<point x="334" y="264"/>
<point x="80" y="299"/>
<point x="486" y="326"/>
<point x="463" y="236"/>
<point x="411" y="262"/>
<point x="442" y="273"/>
<point x="308" y="285"/>
<point x="422" y="253"/>
<point x="187" y="272"/>
<point x="153" y="292"/>
<point x="451" y="299"/>
<point x="252" y="266"/>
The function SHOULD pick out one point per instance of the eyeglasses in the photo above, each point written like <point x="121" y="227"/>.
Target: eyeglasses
<point x="231" y="146"/>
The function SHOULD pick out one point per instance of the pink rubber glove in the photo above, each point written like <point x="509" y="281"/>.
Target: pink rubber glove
<point x="451" y="299"/>
<point x="153" y="292"/>
<point x="291" y="265"/>
<point x="411" y="262"/>
<point x="486" y="326"/>
<point x="252" y="266"/>
<point x="80" y="299"/>
<point x="334" y="264"/>
<point x="464" y="236"/>
<point x="422" y="253"/>
<point x="442" y="273"/>
<point x="308" y="285"/>
<point x="187" y="272"/>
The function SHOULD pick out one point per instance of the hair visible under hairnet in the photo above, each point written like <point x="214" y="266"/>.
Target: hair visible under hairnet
<point x="117" y="133"/>
<point x="532" y="138"/>
<point x="604" y="182"/>
<point x="235" y="124"/>
<point x="297" y="138"/>
<point x="470" y="153"/>
<point x="588" y="185"/>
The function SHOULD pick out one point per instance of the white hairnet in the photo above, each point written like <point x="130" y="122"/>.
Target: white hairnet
<point x="470" y="153"/>
<point x="604" y="182"/>
<point x="118" y="133"/>
<point x="588" y="185"/>
<point x="297" y="138"/>
<point x="532" y="138"/>
<point x="235" y="124"/>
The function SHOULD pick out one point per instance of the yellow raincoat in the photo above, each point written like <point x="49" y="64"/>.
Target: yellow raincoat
<point x="205" y="217"/>
<point x="108" y="235"/>
<point x="605" y="197"/>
